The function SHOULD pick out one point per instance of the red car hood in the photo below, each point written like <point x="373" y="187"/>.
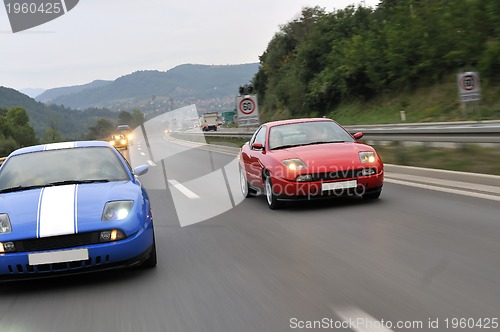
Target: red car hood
<point x="328" y="157"/>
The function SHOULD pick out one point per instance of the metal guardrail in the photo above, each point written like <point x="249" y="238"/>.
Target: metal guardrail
<point x="420" y="133"/>
<point x="446" y="132"/>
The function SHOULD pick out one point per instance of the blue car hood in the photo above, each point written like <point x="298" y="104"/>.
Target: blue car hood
<point x="67" y="209"/>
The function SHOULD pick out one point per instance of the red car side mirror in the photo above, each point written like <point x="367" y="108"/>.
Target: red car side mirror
<point x="358" y="135"/>
<point x="257" y="146"/>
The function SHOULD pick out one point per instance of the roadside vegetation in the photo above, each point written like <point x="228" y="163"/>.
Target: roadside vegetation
<point x="363" y="65"/>
<point x="369" y="66"/>
<point x="16" y="131"/>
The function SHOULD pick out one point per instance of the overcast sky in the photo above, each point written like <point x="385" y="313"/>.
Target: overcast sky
<point x="106" y="39"/>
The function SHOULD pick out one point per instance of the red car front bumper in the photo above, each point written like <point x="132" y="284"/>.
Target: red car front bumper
<point x="293" y="190"/>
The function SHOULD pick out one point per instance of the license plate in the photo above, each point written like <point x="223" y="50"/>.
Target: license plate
<point x="62" y="256"/>
<point x="339" y="185"/>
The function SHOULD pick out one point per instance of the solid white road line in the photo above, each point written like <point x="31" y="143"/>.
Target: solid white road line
<point x="446" y="190"/>
<point x="183" y="189"/>
<point x="361" y="321"/>
<point x="151" y="163"/>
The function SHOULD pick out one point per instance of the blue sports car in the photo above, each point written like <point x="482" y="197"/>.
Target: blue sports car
<point x="72" y="207"/>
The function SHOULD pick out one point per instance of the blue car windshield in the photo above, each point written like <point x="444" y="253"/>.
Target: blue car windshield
<point x="53" y="167"/>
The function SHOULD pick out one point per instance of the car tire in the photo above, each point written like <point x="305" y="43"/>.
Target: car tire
<point x="272" y="200"/>
<point x="151" y="261"/>
<point x="374" y="195"/>
<point x="245" y="188"/>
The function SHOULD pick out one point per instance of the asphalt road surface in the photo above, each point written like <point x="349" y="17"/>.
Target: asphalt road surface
<point x="416" y="258"/>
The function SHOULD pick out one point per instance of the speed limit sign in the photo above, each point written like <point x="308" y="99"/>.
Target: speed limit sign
<point x="468" y="86"/>
<point x="248" y="110"/>
<point x="247" y="106"/>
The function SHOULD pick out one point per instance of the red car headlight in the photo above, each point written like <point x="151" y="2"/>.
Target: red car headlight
<point x="367" y="157"/>
<point x="294" y="164"/>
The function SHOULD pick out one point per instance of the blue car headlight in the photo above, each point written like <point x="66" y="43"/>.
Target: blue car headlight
<point x="5" y="226"/>
<point x="116" y="210"/>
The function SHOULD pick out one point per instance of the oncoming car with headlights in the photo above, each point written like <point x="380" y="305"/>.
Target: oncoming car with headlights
<point x="304" y="159"/>
<point x="119" y="141"/>
<point x="70" y="208"/>
<point x="126" y="131"/>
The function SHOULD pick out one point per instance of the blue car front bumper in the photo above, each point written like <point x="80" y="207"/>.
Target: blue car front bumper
<point x="101" y="256"/>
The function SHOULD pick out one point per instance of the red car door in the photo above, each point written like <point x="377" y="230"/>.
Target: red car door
<point x="253" y="162"/>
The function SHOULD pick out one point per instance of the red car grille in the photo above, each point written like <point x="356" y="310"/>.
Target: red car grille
<point x="347" y="174"/>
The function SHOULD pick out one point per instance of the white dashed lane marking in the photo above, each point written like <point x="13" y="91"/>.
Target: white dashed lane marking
<point x="360" y="321"/>
<point x="183" y="189"/>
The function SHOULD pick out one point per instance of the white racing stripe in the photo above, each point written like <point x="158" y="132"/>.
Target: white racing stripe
<point x="56" y="208"/>
<point x="63" y="145"/>
<point x="183" y="189"/>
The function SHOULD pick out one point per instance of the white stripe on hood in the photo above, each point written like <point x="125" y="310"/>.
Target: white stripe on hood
<point x="62" y="145"/>
<point x="57" y="211"/>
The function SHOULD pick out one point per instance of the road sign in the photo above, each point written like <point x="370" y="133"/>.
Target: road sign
<point x="468" y="86"/>
<point x="247" y="106"/>
<point x="247" y="110"/>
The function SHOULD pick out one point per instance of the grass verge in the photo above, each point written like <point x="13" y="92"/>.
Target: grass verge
<point x="466" y="158"/>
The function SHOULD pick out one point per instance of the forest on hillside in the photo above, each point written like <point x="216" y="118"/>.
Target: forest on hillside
<point x="322" y="59"/>
<point x="71" y="124"/>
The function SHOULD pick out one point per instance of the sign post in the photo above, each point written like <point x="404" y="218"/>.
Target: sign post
<point x="247" y="110"/>
<point x="469" y="90"/>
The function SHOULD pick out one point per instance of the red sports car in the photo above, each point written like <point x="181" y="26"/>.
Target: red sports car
<point x="305" y="159"/>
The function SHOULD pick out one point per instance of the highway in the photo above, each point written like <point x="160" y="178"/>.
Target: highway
<point x="416" y="257"/>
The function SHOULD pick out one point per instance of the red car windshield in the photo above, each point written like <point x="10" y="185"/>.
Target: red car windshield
<point x="307" y="133"/>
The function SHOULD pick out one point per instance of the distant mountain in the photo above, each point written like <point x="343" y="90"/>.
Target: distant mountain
<point x="50" y="95"/>
<point x="32" y="92"/>
<point x="72" y="124"/>
<point x="179" y="86"/>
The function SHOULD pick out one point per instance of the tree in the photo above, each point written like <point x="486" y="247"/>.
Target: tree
<point x="15" y="130"/>
<point x="321" y="60"/>
<point x="101" y="130"/>
<point x="125" y="117"/>
<point x="16" y="125"/>
<point x="53" y="135"/>
<point x="7" y="145"/>
<point x="137" y="118"/>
